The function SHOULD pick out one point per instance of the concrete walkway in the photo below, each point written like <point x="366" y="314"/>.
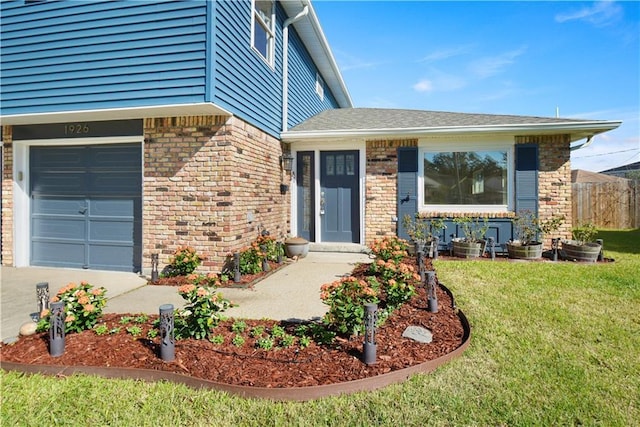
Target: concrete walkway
<point x="292" y="292"/>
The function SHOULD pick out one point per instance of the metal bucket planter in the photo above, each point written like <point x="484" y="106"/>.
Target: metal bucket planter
<point x="296" y="247"/>
<point x="463" y="249"/>
<point x="518" y="251"/>
<point x="587" y="252"/>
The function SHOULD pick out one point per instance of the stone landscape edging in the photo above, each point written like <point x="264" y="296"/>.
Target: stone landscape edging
<point x="290" y="393"/>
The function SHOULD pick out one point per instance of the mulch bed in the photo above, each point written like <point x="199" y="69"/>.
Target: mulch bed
<point x="248" y="365"/>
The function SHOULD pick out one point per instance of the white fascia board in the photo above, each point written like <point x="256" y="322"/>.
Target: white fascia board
<point x="310" y="31"/>
<point x="174" y="110"/>
<point x="577" y="130"/>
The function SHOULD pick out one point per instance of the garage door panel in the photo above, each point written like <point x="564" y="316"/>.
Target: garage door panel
<point x="115" y="158"/>
<point x="109" y="257"/>
<point x="50" y="183"/>
<point x="58" y="206"/>
<point x="113" y="208"/>
<point x="87" y="206"/>
<point x="64" y="229"/>
<point x="111" y="231"/>
<point x="107" y="183"/>
<point x="58" y="254"/>
<point x="58" y="158"/>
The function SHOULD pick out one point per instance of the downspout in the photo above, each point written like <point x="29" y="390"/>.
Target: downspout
<point x="285" y="65"/>
<point x="586" y="144"/>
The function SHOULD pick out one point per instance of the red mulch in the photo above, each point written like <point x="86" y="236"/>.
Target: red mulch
<point x="248" y="365"/>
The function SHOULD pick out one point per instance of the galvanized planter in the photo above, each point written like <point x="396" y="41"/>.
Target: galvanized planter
<point x="531" y="251"/>
<point x="463" y="249"/>
<point x="587" y="252"/>
<point x="296" y="247"/>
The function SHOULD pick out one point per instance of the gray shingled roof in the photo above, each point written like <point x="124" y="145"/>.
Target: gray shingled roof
<point x="381" y="118"/>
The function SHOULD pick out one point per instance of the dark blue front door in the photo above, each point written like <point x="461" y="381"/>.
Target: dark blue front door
<point x="86" y="206"/>
<point x="339" y="196"/>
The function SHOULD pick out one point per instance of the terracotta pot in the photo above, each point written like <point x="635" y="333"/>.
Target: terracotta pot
<point x="296" y="247"/>
<point x="587" y="252"/>
<point x="532" y="251"/>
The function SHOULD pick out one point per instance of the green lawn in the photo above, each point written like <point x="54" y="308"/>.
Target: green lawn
<point x="552" y="344"/>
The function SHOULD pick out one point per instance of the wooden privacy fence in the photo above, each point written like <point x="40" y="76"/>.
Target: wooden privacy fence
<point x="607" y="204"/>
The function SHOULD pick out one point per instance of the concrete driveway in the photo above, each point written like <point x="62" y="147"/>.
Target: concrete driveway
<point x="292" y="292"/>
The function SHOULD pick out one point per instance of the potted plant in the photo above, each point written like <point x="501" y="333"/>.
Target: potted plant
<point x="528" y="229"/>
<point x="582" y="247"/>
<point x="422" y="230"/>
<point x="473" y="230"/>
<point x="297" y="247"/>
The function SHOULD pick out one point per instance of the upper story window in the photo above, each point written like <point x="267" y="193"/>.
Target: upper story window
<point x="262" y="33"/>
<point x="319" y="86"/>
<point x="466" y="180"/>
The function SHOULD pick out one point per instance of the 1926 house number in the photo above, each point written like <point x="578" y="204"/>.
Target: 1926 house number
<point x="76" y="129"/>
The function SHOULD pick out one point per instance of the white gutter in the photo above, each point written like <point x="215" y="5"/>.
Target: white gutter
<point x="285" y="65"/>
<point x="585" y="129"/>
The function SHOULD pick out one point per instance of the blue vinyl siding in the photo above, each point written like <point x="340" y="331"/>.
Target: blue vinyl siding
<point x="304" y="102"/>
<point x="61" y="56"/>
<point x="84" y="55"/>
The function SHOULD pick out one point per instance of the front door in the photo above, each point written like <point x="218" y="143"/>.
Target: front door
<point x="339" y="196"/>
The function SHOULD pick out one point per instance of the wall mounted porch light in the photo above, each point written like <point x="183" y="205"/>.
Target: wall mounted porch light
<point x="286" y="162"/>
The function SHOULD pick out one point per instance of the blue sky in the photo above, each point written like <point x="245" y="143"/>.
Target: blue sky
<point x="525" y="58"/>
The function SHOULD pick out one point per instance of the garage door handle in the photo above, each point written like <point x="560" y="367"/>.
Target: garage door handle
<point x="83" y="210"/>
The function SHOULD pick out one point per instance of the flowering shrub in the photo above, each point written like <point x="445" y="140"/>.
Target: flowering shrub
<point x="396" y="281"/>
<point x="389" y="248"/>
<point x="251" y="258"/>
<point x="83" y="306"/>
<point x="209" y="279"/>
<point x="202" y="312"/>
<point x="184" y="261"/>
<point x="346" y="299"/>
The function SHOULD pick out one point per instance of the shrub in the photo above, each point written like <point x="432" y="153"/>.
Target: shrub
<point x="184" y="261"/>
<point x="83" y="306"/>
<point x="395" y="282"/>
<point x="203" y="310"/>
<point x="584" y="233"/>
<point x="346" y="299"/>
<point x="389" y="248"/>
<point x="251" y="260"/>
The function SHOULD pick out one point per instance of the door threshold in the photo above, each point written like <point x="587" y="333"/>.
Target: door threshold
<point x="338" y="247"/>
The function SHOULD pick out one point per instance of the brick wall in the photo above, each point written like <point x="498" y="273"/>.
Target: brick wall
<point x="554" y="179"/>
<point x="7" y="196"/>
<point x="212" y="183"/>
<point x="381" y="187"/>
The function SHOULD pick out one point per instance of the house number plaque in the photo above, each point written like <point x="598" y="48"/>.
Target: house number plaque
<point x="78" y="129"/>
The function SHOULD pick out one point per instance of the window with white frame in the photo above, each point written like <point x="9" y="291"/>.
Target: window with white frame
<point x="466" y="180"/>
<point x="262" y="33"/>
<point x="319" y="86"/>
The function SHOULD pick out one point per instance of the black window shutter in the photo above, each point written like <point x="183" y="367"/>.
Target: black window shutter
<point x="527" y="165"/>
<point x="407" y="186"/>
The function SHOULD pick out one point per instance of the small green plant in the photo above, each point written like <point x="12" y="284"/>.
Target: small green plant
<point x="217" y="339"/>
<point x="256" y="331"/>
<point x="472" y="229"/>
<point x="184" y="261"/>
<point x="422" y="230"/>
<point x="584" y="233"/>
<point x="265" y="343"/>
<point x="528" y="228"/>
<point x="141" y="318"/>
<point x="101" y="329"/>
<point x="115" y="331"/>
<point x="83" y="306"/>
<point x="304" y="341"/>
<point x="278" y="331"/>
<point x="239" y="326"/>
<point x="202" y="311"/>
<point x="152" y="333"/>
<point x="346" y="299"/>
<point x="134" y="330"/>
<point x="287" y="340"/>
<point x="238" y="340"/>
<point x="124" y="320"/>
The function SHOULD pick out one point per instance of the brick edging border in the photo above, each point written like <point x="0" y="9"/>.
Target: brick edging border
<point x="292" y="393"/>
